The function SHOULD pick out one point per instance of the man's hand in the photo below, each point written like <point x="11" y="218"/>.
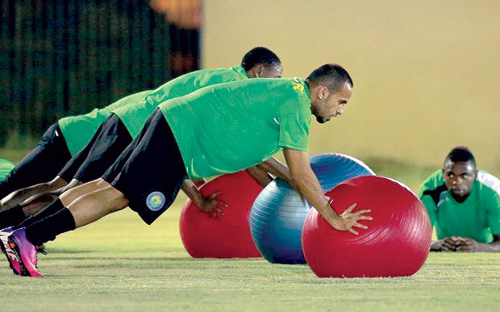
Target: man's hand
<point x="455" y="243"/>
<point x="445" y="244"/>
<point x="212" y="206"/>
<point x="307" y="184"/>
<point x="347" y="220"/>
<point x="467" y="245"/>
<point x="207" y="204"/>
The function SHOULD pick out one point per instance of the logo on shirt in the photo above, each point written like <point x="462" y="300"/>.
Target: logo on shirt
<point x="155" y="201"/>
<point x="442" y="201"/>
<point x="297" y="86"/>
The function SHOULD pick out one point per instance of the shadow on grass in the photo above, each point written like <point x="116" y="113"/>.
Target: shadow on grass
<point x="68" y="251"/>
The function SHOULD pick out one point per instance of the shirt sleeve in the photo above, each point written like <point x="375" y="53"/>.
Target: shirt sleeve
<point x="493" y="213"/>
<point x="294" y="124"/>
<point x="430" y="206"/>
<point x="427" y="200"/>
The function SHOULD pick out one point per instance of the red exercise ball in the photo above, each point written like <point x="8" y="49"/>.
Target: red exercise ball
<point x="229" y="235"/>
<point x="396" y="243"/>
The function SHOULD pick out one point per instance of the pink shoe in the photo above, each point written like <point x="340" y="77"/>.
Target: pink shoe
<point x="25" y="251"/>
<point x="14" y="261"/>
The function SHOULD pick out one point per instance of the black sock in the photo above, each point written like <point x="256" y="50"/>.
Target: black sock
<point x="47" y="229"/>
<point x="50" y="210"/>
<point x="13" y="216"/>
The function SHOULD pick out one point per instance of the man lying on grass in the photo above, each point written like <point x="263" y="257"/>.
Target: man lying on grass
<point x="463" y="204"/>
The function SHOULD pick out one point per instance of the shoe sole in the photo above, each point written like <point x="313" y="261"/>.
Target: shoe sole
<point x="24" y="271"/>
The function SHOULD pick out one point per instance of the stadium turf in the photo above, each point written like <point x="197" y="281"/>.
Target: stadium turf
<point x="121" y="264"/>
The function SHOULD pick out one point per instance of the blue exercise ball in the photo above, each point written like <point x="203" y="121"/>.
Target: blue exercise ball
<point x="333" y="168"/>
<point x="278" y="213"/>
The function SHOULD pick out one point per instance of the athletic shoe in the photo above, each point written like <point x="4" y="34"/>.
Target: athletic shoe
<point x="41" y="249"/>
<point x="25" y="251"/>
<point x="14" y="261"/>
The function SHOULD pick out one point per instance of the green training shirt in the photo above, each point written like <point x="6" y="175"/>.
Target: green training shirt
<point x="478" y="217"/>
<point x="6" y="167"/>
<point x="134" y="116"/>
<point x="79" y="130"/>
<point x="232" y="126"/>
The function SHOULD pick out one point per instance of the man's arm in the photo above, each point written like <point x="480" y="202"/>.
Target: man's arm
<point x="260" y="175"/>
<point x="207" y="204"/>
<point x="261" y="172"/>
<point x="445" y="244"/>
<point x="276" y="168"/>
<point x="199" y="181"/>
<point x="471" y="245"/>
<point x="465" y="244"/>
<point x="308" y="186"/>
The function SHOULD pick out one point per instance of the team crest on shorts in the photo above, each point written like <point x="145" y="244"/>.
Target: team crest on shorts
<point x="155" y="201"/>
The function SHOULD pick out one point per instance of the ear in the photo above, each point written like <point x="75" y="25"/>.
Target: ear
<point x="323" y="92"/>
<point x="258" y="70"/>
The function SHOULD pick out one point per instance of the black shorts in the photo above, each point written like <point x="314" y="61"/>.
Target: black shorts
<point x="101" y="152"/>
<point x="150" y="171"/>
<point x="41" y="164"/>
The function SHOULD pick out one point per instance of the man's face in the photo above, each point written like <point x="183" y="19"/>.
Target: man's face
<point x="459" y="177"/>
<point x="331" y="106"/>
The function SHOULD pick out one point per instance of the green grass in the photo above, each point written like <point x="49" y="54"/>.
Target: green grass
<point x="121" y="264"/>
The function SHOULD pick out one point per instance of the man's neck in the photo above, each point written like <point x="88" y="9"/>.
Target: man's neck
<point x="460" y="199"/>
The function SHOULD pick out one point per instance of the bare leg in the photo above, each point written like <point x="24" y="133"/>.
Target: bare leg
<point x="70" y="185"/>
<point x="70" y="195"/>
<point x="95" y="205"/>
<point x="38" y="203"/>
<point x="17" y="197"/>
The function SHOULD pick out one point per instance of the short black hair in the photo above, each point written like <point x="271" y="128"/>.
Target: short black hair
<point x="259" y="55"/>
<point x="462" y="154"/>
<point x="333" y="76"/>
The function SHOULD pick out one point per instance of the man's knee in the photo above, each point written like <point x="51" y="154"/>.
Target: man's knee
<point x="115" y="197"/>
<point x="101" y="183"/>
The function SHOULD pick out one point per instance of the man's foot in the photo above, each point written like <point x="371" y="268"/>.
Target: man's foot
<point x="14" y="261"/>
<point x="25" y="251"/>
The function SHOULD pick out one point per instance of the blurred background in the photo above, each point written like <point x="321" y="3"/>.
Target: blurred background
<point x="426" y="73"/>
<point x="67" y="57"/>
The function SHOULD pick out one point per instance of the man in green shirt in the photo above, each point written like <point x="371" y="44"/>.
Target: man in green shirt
<point x="215" y="130"/>
<point x="5" y="168"/>
<point x="58" y="144"/>
<point x="123" y="125"/>
<point x="463" y="205"/>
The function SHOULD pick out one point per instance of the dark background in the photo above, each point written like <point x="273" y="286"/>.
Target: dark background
<point x="67" y="57"/>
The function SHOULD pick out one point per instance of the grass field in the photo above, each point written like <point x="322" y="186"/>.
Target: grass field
<point x="121" y="264"/>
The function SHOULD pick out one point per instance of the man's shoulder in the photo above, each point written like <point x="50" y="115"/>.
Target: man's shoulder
<point x="432" y="186"/>
<point x="203" y="74"/>
<point x="280" y="85"/>
<point x="489" y="181"/>
<point x="433" y="180"/>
